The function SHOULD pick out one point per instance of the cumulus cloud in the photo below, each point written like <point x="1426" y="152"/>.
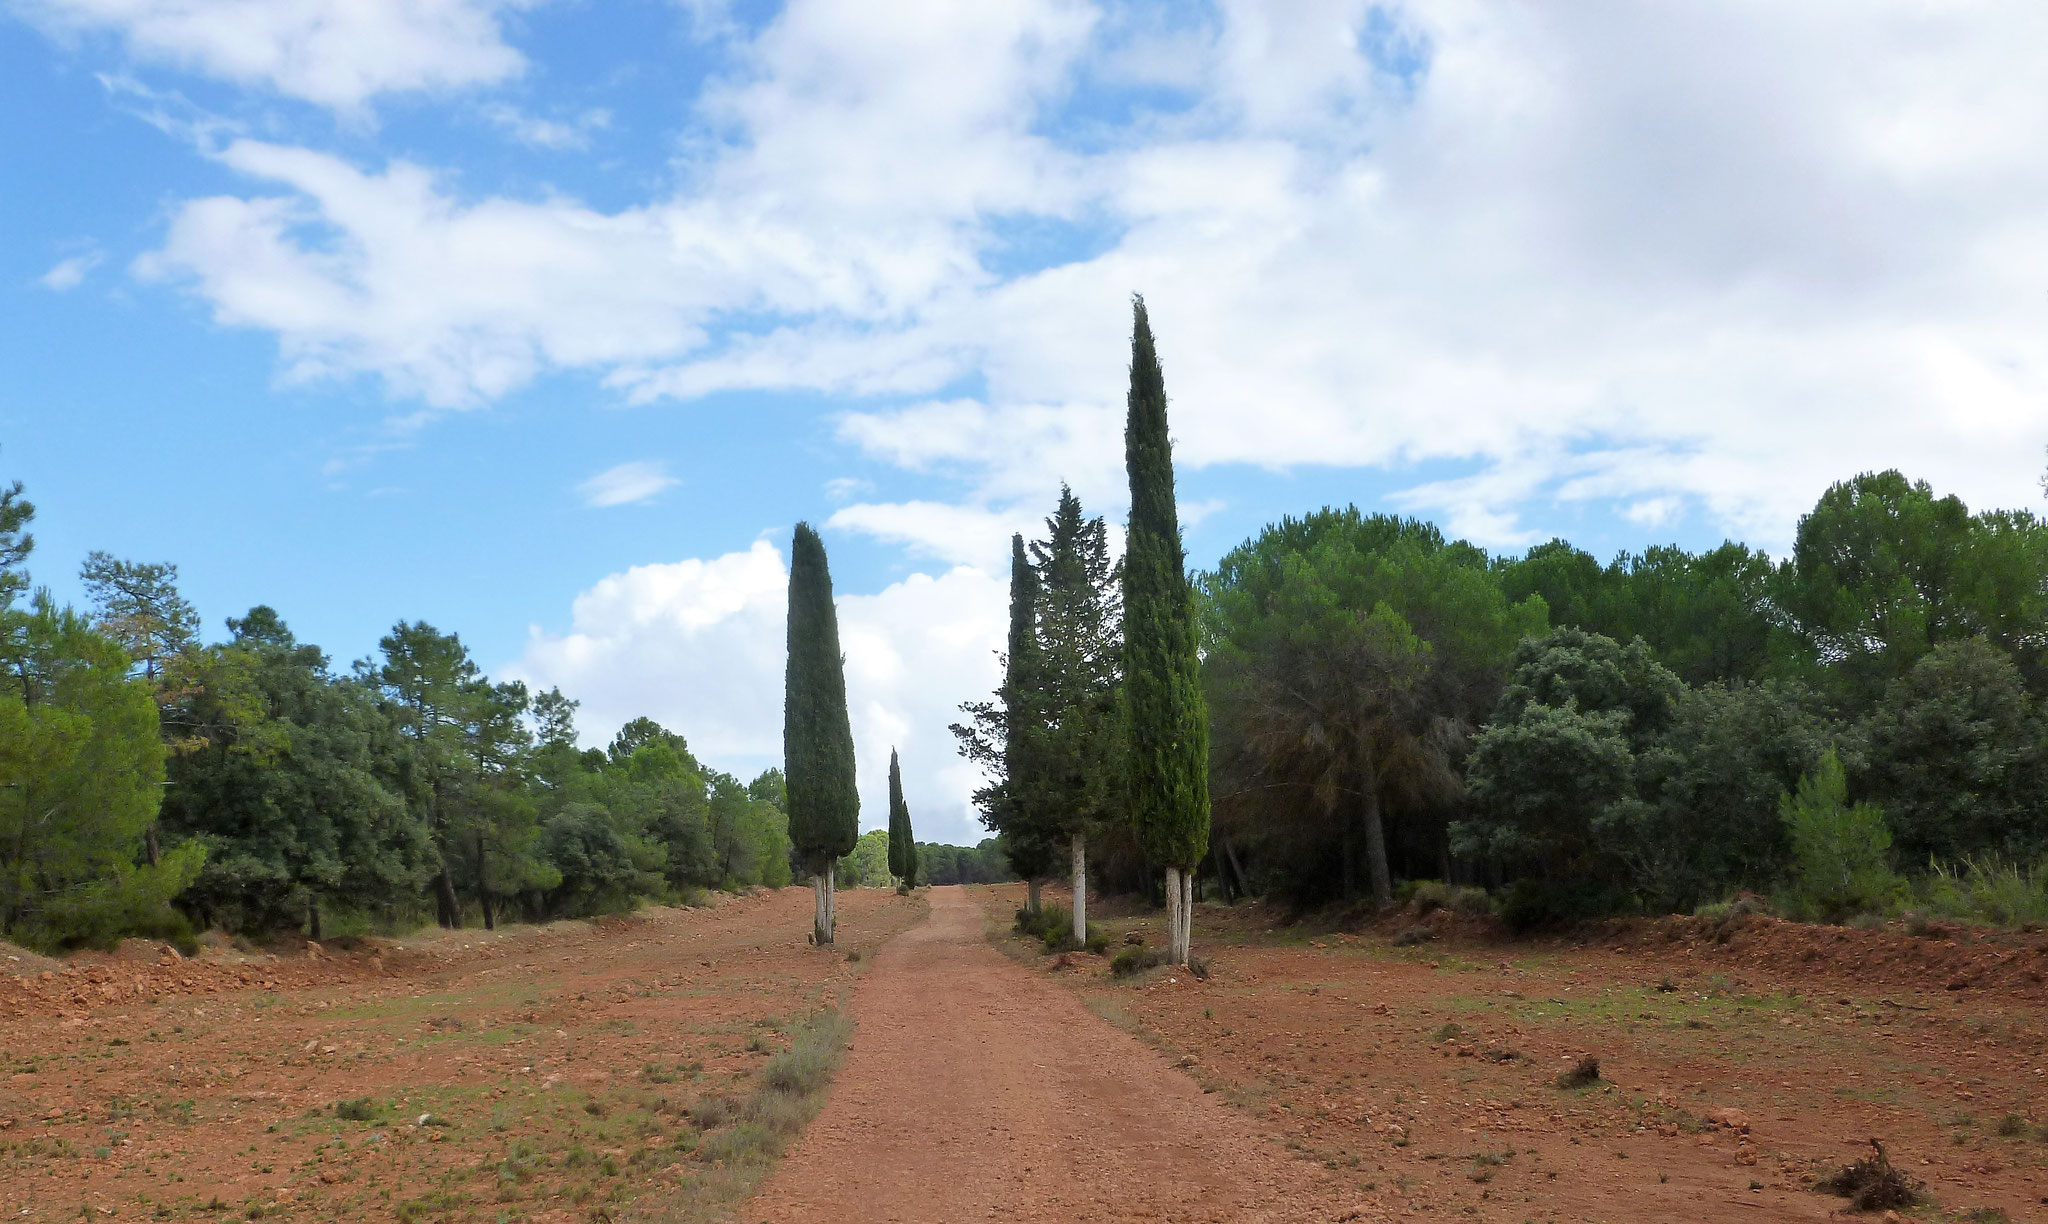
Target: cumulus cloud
<point x="339" y="54"/>
<point x="627" y="483"/>
<point x="1721" y="255"/>
<point x="698" y="646"/>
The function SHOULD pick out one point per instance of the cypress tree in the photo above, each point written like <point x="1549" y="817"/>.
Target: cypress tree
<point x="817" y="738"/>
<point x="902" y="845"/>
<point x="1166" y="722"/>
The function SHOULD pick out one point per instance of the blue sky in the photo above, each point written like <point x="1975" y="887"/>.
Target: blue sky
<point x="545" y="320"/>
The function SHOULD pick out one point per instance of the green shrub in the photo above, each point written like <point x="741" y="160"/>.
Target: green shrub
<point x="1135" y="960"/>
<point x="1098" y="940"/>
<point x="1986" y="890"/>
<point x="1841" y="852"/>
<point x="361" y="1109"/>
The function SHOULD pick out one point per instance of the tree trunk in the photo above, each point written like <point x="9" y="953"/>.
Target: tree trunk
<point x="483" y="885"/>
<point x="1031" y="894"/>
<point x="832" y="901"/>
<point x="1173" y="912"/>
<point x="1187" y="917"/>
<point x="313" y="918"/>
<point x="154" y="850"/>
<point x="1244" y="887"/>
<point x="821" y="927"/>
<point x="1347" y="849"/>
<point x="1376" y="851"/>
<point x="448" y="908"/>
<point x="1080" y="890"/>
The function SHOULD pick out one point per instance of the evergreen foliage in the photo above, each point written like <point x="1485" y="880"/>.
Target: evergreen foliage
<point x="817" y="738"/>
<point x="1005" y="737"/>
<point x="902" y="843"/>
<point x="1165" y="718"/>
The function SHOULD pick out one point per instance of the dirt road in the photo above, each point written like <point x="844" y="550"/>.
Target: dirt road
<point x="976" y="1089"/>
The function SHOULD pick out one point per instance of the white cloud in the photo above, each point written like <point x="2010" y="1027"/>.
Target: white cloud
<point x="698" y="645"/>
<point x="69" y="273"/>
<point x="543" y="133"/>
<point x="1722" y="254"/>
<point x="962" y="535"/>
<point x="334" y="53"/>
<point x="627" y="483"/>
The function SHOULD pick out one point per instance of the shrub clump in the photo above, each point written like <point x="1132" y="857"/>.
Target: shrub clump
<point x="361" y="1109"/>
<point x="1872" y="1184"/>
<point x="1583" y="1074"/>
<point x="1135" y="960"/>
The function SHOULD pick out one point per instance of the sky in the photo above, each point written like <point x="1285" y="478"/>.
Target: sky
<point x="545" y="321"/>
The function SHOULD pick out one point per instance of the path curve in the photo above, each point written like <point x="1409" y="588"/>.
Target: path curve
<point x="977" y="1089"/>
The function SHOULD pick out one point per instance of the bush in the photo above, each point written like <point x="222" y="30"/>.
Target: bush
<point x="361" y="1109"/>
<point x="1429" y="895"/>
<point x="1840" y="851"/>
<point x="1583" y="1074"/>
<point x="1987" y="890"/>
<point x="1135" y="960"/>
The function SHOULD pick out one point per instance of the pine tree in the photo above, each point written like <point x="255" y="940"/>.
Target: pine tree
<point x="1079" y="665"/>
<point x="902" y="847"/>
<point x="817" y="738"/>
<point x="1166" y="723"/>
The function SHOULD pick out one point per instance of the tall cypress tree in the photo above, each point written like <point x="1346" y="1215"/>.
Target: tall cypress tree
<point x="1166" y="723"/>
<point x="902" y="844"/>
<point x="1002" y="738"/>
<point x="817" y="738"/>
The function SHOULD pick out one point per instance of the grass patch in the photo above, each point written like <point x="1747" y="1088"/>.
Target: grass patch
<point x="743" y="1139"/>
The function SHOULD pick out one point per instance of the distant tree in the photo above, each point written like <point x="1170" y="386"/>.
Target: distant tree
<point x="1554" y="775"/>
<point x="16" y="512"/>
<point x="1841" y="852"/>
<point x="867" y="864"/>
<point x="1349" y="659"/>
<point x="281" y="784"/>
<point x="902" y="843"/>
<point x="138" y="605"/>
<point x="1165" y="719"/>
<point x="81" y="774"/>
<point x="817" y="738"/>
<point x="1956" y="756"/>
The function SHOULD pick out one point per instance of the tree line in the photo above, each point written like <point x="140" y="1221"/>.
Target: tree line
<point x="1839" y="730"/>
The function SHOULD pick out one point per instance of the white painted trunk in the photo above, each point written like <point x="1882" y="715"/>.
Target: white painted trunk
<point x="821" y="924"/>
<point x="1080" y="890"/>
<point x="1187" y="917"/>
<point x="831" y="905"/>
<point x="1173" y="916"/>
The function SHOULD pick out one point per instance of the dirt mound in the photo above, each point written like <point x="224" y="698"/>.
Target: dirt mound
<point x="16" y="960"/>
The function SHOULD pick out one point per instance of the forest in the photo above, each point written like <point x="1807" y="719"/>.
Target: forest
<point x="152" y="783"/>
<point x="1853" y="730"/>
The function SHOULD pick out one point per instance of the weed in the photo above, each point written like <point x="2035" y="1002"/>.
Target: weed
<point x="712" y="1112"/>
<point x="2011" y="1126"/>
<point x="361" y="1109"/>
<point x="1872" y="1184"/>
<point x="1414" y="935"/>
<point x="1583" y="1074"/>
<point x="1449" y="1032"/>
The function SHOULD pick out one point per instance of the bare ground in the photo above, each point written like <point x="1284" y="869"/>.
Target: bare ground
<point x="556" y="1067"/>
<point x="977" y="1089"/>
<point x="1736" y="1068"/>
